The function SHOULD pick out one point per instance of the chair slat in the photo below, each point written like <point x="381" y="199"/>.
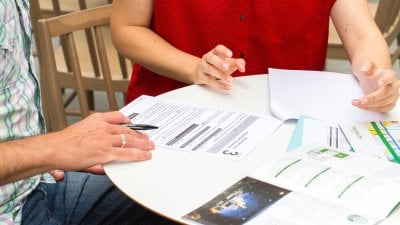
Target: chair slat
<point x="101" y="50"/>
<point x="71" y="22"/>
<point x="76" y="70"/>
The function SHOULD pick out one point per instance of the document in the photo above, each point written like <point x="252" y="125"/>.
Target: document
<point x="379" y="139"/>
<point x="310" y="185"/>
<point x="201" y="129"/>
<point x="313" y="131"/>
<point x="321" y="95"/>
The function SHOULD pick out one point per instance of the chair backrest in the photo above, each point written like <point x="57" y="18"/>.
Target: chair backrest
<point x="387" y="17"/>
<point x="388" y="20"/>
<point x="41" y="9"/>
<point x="53" y="80"/>
<point x="50" y="8"/>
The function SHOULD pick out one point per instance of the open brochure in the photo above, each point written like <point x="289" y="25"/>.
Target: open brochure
<point x="310" y="185"/>
<point x="322" y="95"/>
<point x="200" y="129"/>
<point x="313" y="131"/>
<point x="379" y="139"/>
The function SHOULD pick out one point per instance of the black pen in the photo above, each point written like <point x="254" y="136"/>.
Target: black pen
<point x="139" y="126"/>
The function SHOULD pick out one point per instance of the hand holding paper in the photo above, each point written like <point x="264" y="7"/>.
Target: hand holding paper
<point x="322" y="95"/>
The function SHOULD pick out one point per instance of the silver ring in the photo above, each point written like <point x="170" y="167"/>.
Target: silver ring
<point x="123" y="139"/>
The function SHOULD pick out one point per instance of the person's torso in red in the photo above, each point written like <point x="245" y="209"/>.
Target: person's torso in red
<point x="290" y="34"/>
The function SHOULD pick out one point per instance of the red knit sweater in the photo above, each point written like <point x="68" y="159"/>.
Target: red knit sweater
<point x="290" y="34"/>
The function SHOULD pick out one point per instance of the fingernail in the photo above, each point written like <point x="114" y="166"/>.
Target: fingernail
<point x="229" y="54"/>
<point x="147" y="154"/>
<point x="364" y="101"/>
<point x="227" y="86"/>
<point x="355" y="102"/>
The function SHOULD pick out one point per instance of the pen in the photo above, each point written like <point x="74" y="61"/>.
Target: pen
<point x="139" y="126"/>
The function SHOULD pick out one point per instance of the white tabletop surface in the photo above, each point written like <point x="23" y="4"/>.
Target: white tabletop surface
<point x="174" y="183"/>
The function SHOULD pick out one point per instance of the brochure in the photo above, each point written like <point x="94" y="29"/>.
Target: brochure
<point x="309" y="185"/>
<point x="313" y="131"/>
<point x="379" y="139"/>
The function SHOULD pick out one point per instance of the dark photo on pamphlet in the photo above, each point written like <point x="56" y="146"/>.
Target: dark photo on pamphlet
<point x="238" y="204"/>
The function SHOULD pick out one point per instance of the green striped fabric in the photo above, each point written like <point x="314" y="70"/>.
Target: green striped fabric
<point x="20" y="106"/>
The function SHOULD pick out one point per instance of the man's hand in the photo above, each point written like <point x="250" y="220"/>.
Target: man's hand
<point x="97" y="140"/>
<point x="58" y="175"/>
<point x="380" y="86"/>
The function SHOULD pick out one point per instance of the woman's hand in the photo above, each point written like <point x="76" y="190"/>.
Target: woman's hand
<point x="381" y="88"/>
<point x="216" y="66"/>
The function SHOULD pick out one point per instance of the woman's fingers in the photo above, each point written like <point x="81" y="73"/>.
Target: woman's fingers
<point x="216" y="68"/>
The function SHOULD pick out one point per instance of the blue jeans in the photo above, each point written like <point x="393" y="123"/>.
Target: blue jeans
<point x="83" y="198"/>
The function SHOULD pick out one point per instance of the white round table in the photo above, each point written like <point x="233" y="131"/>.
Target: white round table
<point x="174" y="183"/>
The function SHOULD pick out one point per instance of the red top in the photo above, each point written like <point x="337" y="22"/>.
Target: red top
<point x="290" y="34"/>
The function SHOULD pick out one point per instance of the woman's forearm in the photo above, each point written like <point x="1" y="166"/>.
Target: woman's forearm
<point x="143" y="46"/>
<point x="372" y="48"/>
<point x="130" y="22"/>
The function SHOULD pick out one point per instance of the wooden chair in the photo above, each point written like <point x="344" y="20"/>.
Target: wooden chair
<point x="387" y="17"/>
<point x="50" y="8"/>
<point x="53" y="80"/>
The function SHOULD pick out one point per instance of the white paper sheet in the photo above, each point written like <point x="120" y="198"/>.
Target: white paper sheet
<point x="200" y="129"/>
<point x="322" y="95"/>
